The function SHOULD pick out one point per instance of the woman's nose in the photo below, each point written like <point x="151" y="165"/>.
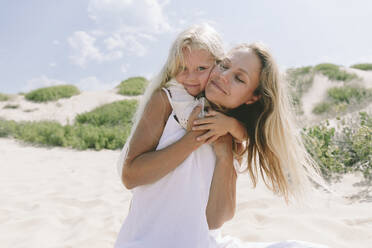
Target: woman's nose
<point x="224" y="75"/>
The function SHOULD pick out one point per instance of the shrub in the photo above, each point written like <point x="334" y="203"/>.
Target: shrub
<point x="133" y="86"/>
<point x="348" y="149"/>
<point x="333" y="72"/>
<point x="113" y="114"/>
<point x="52" y="93"/>
<point x="365" y="67"/>
<point x="4" y="97"/>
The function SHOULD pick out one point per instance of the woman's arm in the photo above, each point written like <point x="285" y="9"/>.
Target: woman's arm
<point x="222" y="194"/>
<point x="144" y="165"/>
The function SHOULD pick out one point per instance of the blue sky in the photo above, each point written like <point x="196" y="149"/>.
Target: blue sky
<point x="95" y="44"/>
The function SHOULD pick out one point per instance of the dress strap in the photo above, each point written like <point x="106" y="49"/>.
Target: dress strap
<point x="169" y="95"/>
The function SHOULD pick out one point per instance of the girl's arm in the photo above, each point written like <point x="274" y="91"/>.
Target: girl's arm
<point x="218" y="125"/>
<point x="144" y="165"/>
<point x="222" y="195"/>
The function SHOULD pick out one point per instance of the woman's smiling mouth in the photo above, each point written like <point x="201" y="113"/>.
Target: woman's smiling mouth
<point x="218" y="87"/>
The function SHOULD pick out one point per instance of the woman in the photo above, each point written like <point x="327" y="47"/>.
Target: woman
<point x="200" y="192"/>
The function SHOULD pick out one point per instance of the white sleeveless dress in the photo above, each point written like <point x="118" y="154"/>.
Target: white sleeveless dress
<point x="170" y="213"/>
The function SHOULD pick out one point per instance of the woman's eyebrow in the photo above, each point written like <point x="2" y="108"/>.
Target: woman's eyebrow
<point x="244" y="71"/>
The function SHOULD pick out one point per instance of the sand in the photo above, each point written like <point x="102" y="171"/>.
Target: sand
<point x="55" y="197"/>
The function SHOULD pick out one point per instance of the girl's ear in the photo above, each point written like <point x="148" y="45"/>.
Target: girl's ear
<point x="254" y="99"/>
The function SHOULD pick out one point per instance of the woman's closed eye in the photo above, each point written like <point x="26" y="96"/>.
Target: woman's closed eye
<point x="239" y="79"/>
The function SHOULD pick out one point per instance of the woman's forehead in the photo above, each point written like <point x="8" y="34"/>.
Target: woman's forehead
<point x="244" y="58"/>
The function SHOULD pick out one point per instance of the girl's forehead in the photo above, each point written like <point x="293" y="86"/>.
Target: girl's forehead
<point x="197" y="54"/>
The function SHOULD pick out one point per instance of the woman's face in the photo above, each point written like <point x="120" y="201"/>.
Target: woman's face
<point x="235" y="79"/>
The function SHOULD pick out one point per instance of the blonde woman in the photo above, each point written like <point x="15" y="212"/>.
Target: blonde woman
<point x="181" y="186"/>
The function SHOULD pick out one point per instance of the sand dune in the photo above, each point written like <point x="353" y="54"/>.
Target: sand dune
<point x="54" y="197"/>
<point x="63" y="111"/>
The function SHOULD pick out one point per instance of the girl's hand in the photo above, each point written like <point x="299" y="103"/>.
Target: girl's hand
<point x="216" y="123"/>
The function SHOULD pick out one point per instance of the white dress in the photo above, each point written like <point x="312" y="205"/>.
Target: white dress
<point x="170" y="213"/>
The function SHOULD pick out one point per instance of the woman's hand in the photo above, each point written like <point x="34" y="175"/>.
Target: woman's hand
<point x="215" y="123"/>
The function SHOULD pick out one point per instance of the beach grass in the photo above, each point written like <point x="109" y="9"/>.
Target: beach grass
<point x="52" y="93"/>
<point x="4" y="97"/>
<point x="11" y="106"/>
<point x="340" y="99"/>
<point x="133" y="86"/>
<point x="300" y="80"/>
<point x="364" y="66"/>
<point x="333" y="72"/>
<point x="112" y="114"/>
<point x="106" y="127"/>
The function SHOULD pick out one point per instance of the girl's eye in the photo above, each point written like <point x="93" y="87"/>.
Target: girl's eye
<point x="239" y="79"/>
<point x="202" y="68"/>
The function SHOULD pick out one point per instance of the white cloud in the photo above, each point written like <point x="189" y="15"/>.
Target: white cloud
<point x="124" y="68"/>
<point x="42" y="81"/>
<point x="85" y="49"/>
<point x="127" y="26"/>
<point x="133" y="16"/>
<point x="52" y="64"/>
<point x="94" y="84"/>
<point x="56" y="42"/>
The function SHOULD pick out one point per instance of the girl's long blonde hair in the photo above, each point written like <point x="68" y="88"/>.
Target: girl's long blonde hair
<point x="202" y="37"/>
<point x="274" y="144"/>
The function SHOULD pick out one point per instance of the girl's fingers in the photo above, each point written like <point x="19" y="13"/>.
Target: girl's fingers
<point x="202" y="127"/>
<point x="204" y="121"/>
<point x="205" y="136"/>
<point x="211" y="113"/>
<point x="212" y="139"/>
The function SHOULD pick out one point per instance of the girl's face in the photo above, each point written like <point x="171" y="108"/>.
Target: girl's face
<point x="235" y="79"/>
<point x="198" y="66"/>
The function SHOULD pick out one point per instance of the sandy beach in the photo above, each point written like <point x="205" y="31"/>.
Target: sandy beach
<point x="58" y="197"/>
<point x="55" y="197"/>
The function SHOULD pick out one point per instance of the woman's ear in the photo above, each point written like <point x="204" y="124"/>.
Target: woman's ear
<point x="253" y="99"/>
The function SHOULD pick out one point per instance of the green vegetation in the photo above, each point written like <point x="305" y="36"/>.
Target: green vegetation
<point x="340" y="99"/>
<point x="333" y="72"/>
<point x="113" y="114"/>
<point x="4" y="97"/>
<point x="346" y="150"/>
<point x="300" y="80"/>
<point x="106" y="127"/>
<point x="11" y="106"/>
<point x="133" y="86"/>
<point x="52" y="93"/>
<point x="364" y="67"/>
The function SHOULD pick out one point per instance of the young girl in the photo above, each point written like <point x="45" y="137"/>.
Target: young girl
<point x="179" y="194"/>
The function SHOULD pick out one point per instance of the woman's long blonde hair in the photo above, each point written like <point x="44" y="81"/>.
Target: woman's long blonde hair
<point x="274" y="144"/>
<point x="202" y="37"/>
